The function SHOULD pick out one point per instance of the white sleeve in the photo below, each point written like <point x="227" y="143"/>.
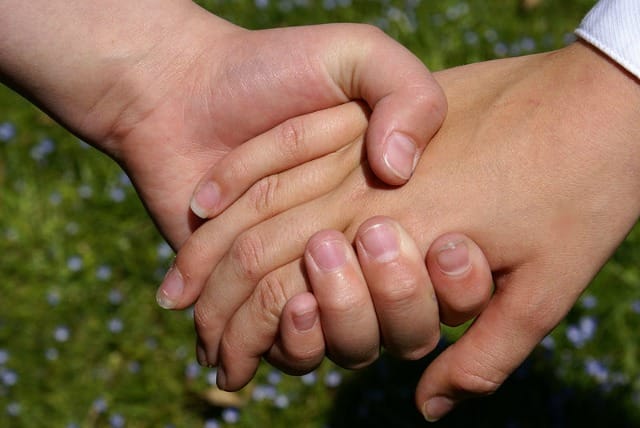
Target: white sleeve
<point x="613" y="26"/>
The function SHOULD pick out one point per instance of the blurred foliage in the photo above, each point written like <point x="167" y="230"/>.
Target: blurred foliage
<point x="82" y="343"/>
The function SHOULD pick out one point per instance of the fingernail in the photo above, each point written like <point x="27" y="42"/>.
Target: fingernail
<point x="171" y="289"/>
<point x="400" y="155"/>
<point x="453" y="258"/>
<point x="435" y="408"/>
<point x="205" y="200"/>
<point x="380" y="242"/>
<point x="201" y="355"/>
<point x="221" y="379"/>
<point x="329" y="255"/>
<point x="305" y="321"/>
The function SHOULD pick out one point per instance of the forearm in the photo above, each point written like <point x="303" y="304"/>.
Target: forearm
<point x="73" y="57"/>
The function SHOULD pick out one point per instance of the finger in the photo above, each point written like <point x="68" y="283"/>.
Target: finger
<point x="518" y="316"/>
<point x="400" y="288"/>
<point x="252" y="329"/>
<point x="290" y="144"/>
<point x="408" y="104"/>
<point x="256" y="252"/>
<point x="299" y="348"/>
<point x="268" y="197"/>
<point x="461" y="277"/>
<point x="340" y="289"/>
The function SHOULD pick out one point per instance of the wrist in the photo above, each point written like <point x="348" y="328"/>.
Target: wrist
<point x="89" y="65"/>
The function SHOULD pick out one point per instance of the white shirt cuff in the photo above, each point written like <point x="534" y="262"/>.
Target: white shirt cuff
<point x="613" y="26"/>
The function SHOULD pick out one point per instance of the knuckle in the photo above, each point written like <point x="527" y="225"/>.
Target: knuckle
<point x="263" y="194"/>
<point x="270" y="297"/>
<point x="474" y="383"/>
<point x="204" y="318"/>
<point x="400" y="293"/>
<point x="291" y="138"/>
<point x="247" y="255"/>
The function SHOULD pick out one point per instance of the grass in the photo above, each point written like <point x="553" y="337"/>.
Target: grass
<point x="83" y="344"/>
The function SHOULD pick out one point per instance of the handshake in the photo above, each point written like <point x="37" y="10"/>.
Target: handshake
<point x="325" y="226"/>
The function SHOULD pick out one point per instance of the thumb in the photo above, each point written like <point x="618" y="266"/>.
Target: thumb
<point x="518" y="316"/>
<point x="408" y="104"/>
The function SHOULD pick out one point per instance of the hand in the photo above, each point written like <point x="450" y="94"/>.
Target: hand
<point x="169" y="89"/>
<point x="382" y="295"/>
<point x="539" y="167"/>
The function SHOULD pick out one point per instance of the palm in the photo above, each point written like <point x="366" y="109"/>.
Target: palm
<point x="210" y="110"/>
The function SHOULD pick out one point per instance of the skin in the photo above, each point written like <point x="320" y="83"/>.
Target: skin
<point x="537" y="162"/>
<point x="167" y="103"/>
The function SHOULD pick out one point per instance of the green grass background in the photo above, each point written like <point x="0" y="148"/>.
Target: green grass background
<point x="82" y="343"/>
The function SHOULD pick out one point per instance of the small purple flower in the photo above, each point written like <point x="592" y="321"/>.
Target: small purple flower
<point x="589" y="301"/>
<point x="134" y="367"/>
<point x="103" y="273"/>
<point x="211" y="423"/>
<point x="4" y="356"/>
<point x="274" y="377"/>
<point x="117" y="194"/>
<point x="635" y="306"/>
<point x="7" y="131"/>
<point x="116" y="420"/>
<point x="192" y="370"/>
<point x="9" y="377"/>
<point x="309" y="379"/>
<point x="333" y="379"/>
<point x="164" y="251"/>
<point x="100" y="405"/>
<point x="548" y="343"/>
<point x="281" y="401"/>
<point x="230" y="415"/>
<point x="597" y="370"/>
<point x="264" y="392"/>
<point x="43" y="149"/>
<point x="61" y="333"/>
<point x="74" y="263"/>
<point x="115" y="325"/>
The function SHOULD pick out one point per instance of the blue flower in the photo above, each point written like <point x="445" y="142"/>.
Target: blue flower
<point x="61" y="333"/>
<point x="7" y="131"/>
<point x="333" y="379"/>
<point x="116" y="420"/>
<point x="264" y="392"/>
<point x="42" y="150"/>
<point x="192" y="370"/>
<point x="589" y="301"/>
<point x="4" y="356"/>
<point x="115" y="325"/>
<point x="103" y="273"/>
<point x="74" y="263"/>
<point x="230" y="415"/>
<point x="309" y="379"/>
<point x="117" y="194"/>
<point x="597" y="370"/>
<point x="274" y="377"/>
<point x="211" y="423"/>
<point x="99" y="405"/>
<point x="281" y="401"/>
<point x="9" y="377"/>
